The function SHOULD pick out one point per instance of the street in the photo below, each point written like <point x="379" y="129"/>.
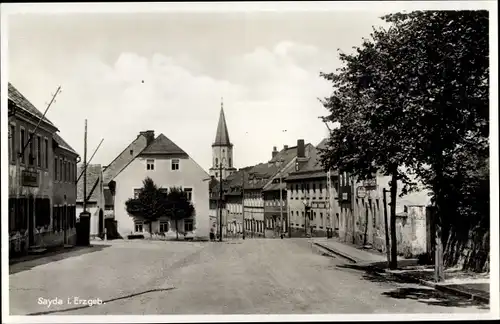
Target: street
<point x="255" y="276"/>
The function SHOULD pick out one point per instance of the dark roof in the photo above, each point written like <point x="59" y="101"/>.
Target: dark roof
<point x="25" y="104"/>
<point x="163" y="145"/>
<point x="288" y="156"/>
<point x="222" y="135"/>
<point x="312" y="168"/>
<point x="93" y="175"/>
<point x="63" y="144"/>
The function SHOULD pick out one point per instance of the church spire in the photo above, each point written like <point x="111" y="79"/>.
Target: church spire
<point x="222" y="135"/>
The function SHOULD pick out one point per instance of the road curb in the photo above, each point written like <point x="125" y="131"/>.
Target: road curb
<point x="336" y="252"/>
<point x="442" y="288"/>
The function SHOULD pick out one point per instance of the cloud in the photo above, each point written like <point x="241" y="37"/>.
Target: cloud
<point x="265" y="92"/>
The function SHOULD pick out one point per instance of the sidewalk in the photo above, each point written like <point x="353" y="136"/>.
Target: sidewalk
<point x="471" y="285"/>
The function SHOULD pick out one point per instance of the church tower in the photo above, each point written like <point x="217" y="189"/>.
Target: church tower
<point x="222" y="150"/>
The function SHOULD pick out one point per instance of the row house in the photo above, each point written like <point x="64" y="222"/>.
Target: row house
<point x="276" y="205"/>
<point x="42" y="188"/>
<point x="354" y="209"/>
<point x="311" y="196"/>
<point x="168" y="166"/>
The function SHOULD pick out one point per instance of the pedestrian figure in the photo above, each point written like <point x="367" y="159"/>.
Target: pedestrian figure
<point x="212" y="234"/>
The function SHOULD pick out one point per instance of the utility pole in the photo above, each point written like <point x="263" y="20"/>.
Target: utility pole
<point x="243" y="201"/>
<point x="85" y="169"/>
<point x="220" y="202"/>
<point x="85" y="166"/>
<point x="281" y="198"/>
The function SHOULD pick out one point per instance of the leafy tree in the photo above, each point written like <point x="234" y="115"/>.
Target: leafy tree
<point x="370" y="137"/>
<point x="150" y="205"/>
<point x="446" y="58"/>
<point x="178" y="206"/>
<point x="416" y="96"/>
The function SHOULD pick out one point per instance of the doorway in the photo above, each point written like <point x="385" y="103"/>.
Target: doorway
<point x="31" y="221"/>
<point x="101" y="222"/>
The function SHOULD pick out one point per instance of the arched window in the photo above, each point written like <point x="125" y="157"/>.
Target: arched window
<point x="216" y="161"/>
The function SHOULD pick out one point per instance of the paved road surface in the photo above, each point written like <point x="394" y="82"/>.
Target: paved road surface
<point x="242" y="277"/>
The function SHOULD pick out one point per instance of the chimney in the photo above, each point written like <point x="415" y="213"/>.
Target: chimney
<point x="285" y="147"/>
<point x="275" y="151"/>
<point x="300" y="149"/>
<point x="150" y="136"/>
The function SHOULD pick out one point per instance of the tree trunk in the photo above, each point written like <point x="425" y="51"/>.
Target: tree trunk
<point x="176" y="230"/>
<point x="366" y="224"/>
<point x="394" y="245"/>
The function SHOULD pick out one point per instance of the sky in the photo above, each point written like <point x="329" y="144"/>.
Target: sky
<point x="167" y="72"/>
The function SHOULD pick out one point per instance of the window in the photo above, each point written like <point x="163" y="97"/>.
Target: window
<point x="150" y="164"/>
<point x="56" y="174"/>
<point x="60" y="169"/>
<point x="216" y="162"/>
<point x="188" y="225"/>
<point x="22" y="142"/>
<point x="13" y="142"/>
<point x="138" y="226"/>
<point x="46" y="152"/>
<point x="216" y="174"/>
<point x="189" y="193"/>
<point x="136" y="193"/>
<point x="230" y="163"/>
<point x="38" y="151"/>
<point x="64" y="171"/>
<point x="32" y="156"/>
<point x="131" y="152"/>
<point x="175" y="164"/>
<point x="163" y="227"/>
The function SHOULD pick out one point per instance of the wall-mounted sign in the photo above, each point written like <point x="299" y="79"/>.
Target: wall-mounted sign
<point x="361" y="192"/>
<point x="29" y="178"/>
<point x="370" y="183"/>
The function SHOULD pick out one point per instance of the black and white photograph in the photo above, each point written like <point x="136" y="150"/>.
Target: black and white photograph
<point x="249" y="161"/>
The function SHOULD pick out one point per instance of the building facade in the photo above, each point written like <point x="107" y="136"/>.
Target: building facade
<point x="94" y="203"/>
<point x="168" y="166"/>
<point x="276" y="216"/>
<point x="312" y="211"/>
<point x="34" y="207"/>
<point x="65" y="191"/>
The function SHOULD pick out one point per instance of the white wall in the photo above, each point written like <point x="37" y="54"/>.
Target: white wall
<point x="189" y="175"/>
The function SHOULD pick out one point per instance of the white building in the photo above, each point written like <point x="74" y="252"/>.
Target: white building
<point x="168" y="166"/>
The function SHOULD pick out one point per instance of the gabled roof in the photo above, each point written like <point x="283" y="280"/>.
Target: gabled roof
<point x="63" y="144"/>
<point x="162" y="145"/>
<point x="93" y="175"/>
<point x="25" y="104"/>
<point x="312" y="168"/>
<point x="222" y="135"/>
